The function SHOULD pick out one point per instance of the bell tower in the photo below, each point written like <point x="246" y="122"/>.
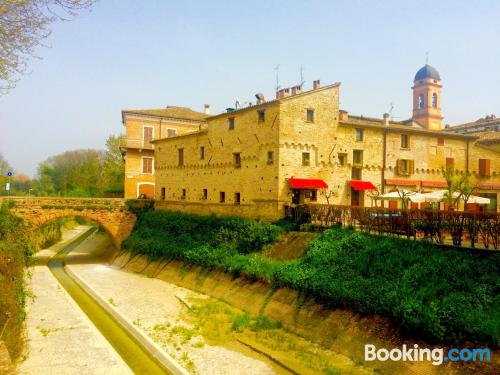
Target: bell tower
<point x="427" y="98"/>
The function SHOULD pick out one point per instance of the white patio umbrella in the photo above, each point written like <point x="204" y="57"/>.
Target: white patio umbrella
<point x="396" y="194"/>
<point x="440" y="195"/>
<point x="478" y="200"/>
<point x="413" y="196"/>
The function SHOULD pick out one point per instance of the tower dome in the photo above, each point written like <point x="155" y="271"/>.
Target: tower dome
<point x="427" y="71"/>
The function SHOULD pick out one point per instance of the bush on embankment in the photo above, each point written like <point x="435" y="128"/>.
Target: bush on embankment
<point x="437" y="294"/>
<point x="15" y="252"/>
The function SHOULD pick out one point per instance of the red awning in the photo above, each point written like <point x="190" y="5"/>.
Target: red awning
<point x="389" y="181"/>
<point x="362" y="185"/>
<point x="435" y="184"/>
<point x="488" y="186"/>
<point x="307" y="183"/>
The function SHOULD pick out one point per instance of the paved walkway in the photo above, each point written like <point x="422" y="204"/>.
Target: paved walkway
<point x="61" y="339"/>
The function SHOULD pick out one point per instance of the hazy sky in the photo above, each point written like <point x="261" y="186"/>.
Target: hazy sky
<point x="149" y="54"/>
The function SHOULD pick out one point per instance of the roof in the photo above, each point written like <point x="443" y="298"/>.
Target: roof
<point x="307" y="183"/>
<point x="427" y="71"/>
<point x="402" y="126"/>
<point x="183" y="113"/>
<point x="481" y="123"/>
<point x="274" y="101"/>
<point x="188" y="134"/>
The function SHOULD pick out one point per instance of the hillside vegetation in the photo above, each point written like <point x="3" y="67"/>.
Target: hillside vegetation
<point x="440" y="295"/>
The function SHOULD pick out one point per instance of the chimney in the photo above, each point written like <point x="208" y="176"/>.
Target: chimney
<point x="386" y="119"/>
<point x="260" y="98"/>
<point x="316" y="84"/>
<point x="296" y="90"/>
<point x="343" y="115"/>
<point x="207" y="109"/>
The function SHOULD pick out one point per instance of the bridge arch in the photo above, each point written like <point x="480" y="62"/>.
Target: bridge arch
<point x="111" y="213"/>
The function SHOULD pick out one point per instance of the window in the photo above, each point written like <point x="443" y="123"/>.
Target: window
<point x="237" y="198"/>
<point x="421" y="101"/>
<point x="405" y="141"/>
<point x="202" y="153"/>
<point x="171" y="133"/>
<point x="270" y="157"/>
<point x="262" y="116"/>
<point x="163" y="193"/>
<point x="231" y="123"/>
<point x="306" y="159"/>
<point x="356" y="173"/>
<point x="440" y="141"/>
<point x="237" y="159"/>
<point x="405" y="167"/>
<point x="357" y="157"/>
<point x="434" y="100"/>
<point x="147" y="134"/>
<point x="204" y="194"/>
<point x="222" y="197"/>
<point x="450" y="163"/>
<point x="310" y="115"/>
<point x="147" y="165"/>
<point x="180" y="159"/>
<point x="342" y="159"/>
<point x="484" y="167"/>
<point x="183" y="194"/>
<point x="314" y="195"/>
<point x="359" y="135"/>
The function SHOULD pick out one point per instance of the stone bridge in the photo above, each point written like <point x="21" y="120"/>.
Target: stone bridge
<point x="111" y="213"/>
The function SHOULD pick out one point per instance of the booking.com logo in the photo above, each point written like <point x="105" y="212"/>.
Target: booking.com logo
<point x="416" y="354"/>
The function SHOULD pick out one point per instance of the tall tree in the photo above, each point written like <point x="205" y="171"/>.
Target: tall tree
<point x="114" y="166"/>
<point x="24" y="24"/>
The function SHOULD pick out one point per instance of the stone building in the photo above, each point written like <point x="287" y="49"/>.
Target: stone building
<point x="301" y="148"/>
<point x="141" y="127"/>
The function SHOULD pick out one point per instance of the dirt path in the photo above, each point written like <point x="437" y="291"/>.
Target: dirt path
<point x="60" y="338"/>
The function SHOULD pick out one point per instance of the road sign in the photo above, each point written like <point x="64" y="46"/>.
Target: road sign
<point x="9" y="173"/>
<point x="7" y="186"/>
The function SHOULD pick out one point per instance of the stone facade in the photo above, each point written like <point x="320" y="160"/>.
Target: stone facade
<point x="142" y="126"/>
<point x="242" y="162"/>
<point x="111" y="213"/>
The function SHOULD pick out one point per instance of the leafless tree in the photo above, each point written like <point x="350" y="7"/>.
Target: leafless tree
<point x="24" y="25"/>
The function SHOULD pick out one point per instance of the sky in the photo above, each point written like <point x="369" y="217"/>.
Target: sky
<point x="128" y="54"/>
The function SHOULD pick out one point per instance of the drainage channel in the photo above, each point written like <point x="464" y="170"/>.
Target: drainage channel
<point x="133" y="353"/>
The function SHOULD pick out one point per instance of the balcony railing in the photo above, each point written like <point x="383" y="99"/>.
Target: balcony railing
<point x="136" y="143"/>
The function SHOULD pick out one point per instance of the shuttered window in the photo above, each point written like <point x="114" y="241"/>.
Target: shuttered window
<point x="450" y="163"/>
<point x="147" y="165"/>
<point x="484" y="168"/>
<point x="147" y="134"/>
<point x="405" y="167"/>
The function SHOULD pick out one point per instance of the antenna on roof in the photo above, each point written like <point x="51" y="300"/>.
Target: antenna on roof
<point x="427" y="58"/>
<point x="277" y="68"/>
<point x="301" y="76"/>
<point x="391" y="108"/>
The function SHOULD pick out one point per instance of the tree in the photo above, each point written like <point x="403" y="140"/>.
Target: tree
<point x="24" y="24"/>
<point x="83" y="173"/>
<point x="459" y="187"/>
<point x="114" y="166"/>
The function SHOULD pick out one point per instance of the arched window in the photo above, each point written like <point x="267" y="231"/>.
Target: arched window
<point x="434" y="100"/>
<point x="421" y="101"/>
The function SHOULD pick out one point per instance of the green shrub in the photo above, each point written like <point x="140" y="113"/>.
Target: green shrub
<point x="443" y="295"/>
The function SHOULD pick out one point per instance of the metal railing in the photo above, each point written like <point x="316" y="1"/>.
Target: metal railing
<point x="458" y="228"/>
<point x="136" y="143"/>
